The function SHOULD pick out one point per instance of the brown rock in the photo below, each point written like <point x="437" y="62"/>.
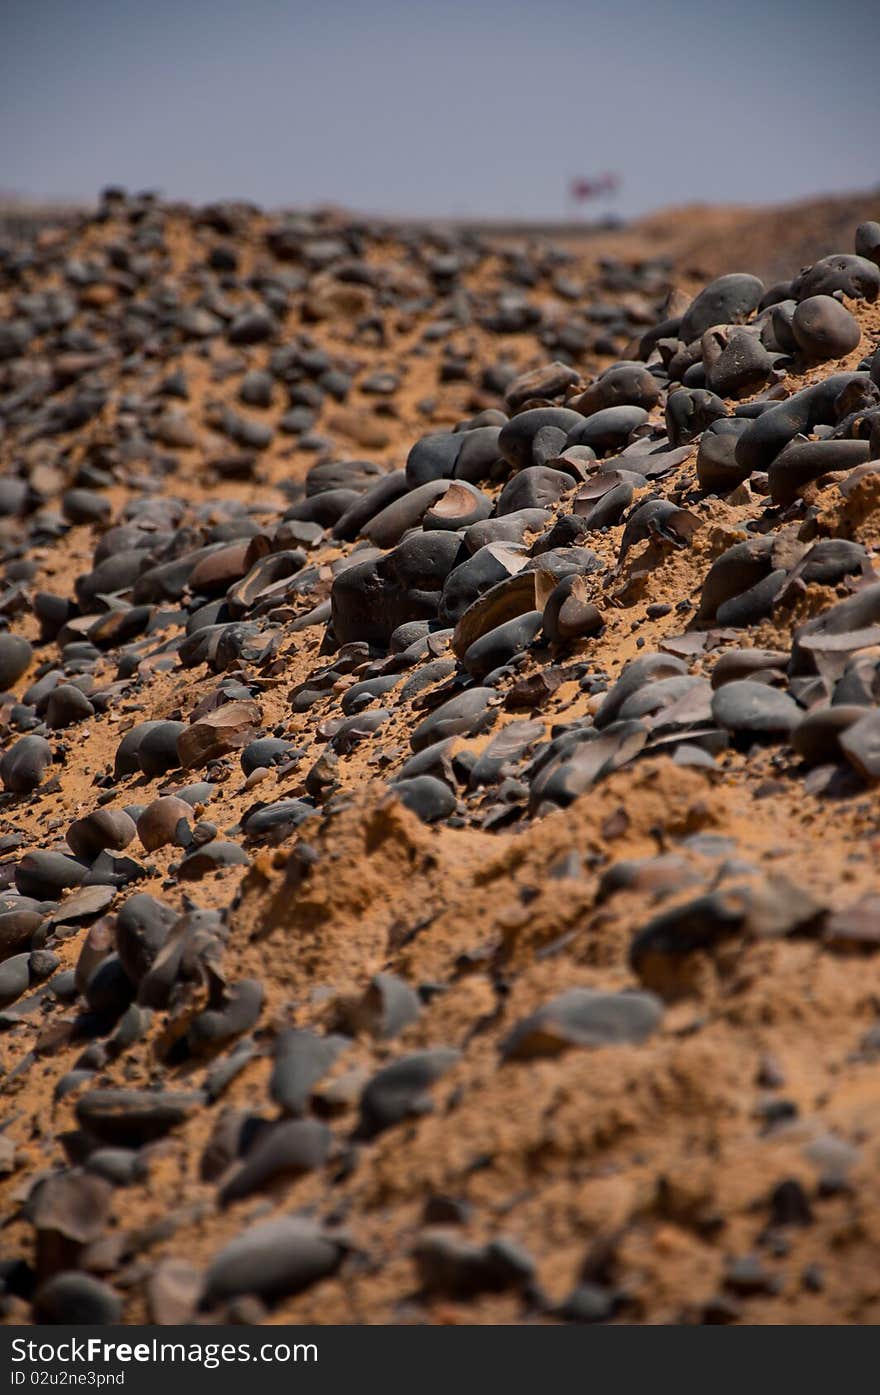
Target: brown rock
<point x="104" y="828"/>
<point x="228" y="729"/>
<point x="217" y="571"/>
<point x="166" y="820"/>
<point x="548" y="381"/>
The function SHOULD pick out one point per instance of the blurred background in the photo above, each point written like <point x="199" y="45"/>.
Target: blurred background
<point x="471" y="109"/>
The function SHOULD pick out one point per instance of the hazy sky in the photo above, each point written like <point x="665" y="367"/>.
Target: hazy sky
<point x="451" y="107"/>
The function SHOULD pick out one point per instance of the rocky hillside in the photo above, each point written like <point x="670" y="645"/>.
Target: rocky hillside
<point x="440" y="686"/>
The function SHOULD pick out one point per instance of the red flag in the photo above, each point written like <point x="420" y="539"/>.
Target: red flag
<point x="581" y="190"/>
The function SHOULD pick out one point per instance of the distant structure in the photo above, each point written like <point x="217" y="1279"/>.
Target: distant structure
<point x="583" y="191"/>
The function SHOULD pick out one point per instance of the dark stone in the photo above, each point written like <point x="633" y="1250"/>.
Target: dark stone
<point x="691" y="411"/>
<point x="800" y="462"/>
<point x="607" y="430"/>
<point x="856" y="277"/>
<point x="860" y="743"/>
<point x="867" y="243"/>
<point x="517" y="437"/>
<point x="736" y="363"/>
<point x="157" y="750"/>
<point x="212" y="857"/>
<point x="142" y="927"/>
<point x="674" y="934"/>
<point x="475" y="576"/>
<point x="647" y="669"/>
<point x="589" y="1303"/>
<point x="233" y="1009"/>
<point x="104" y="828"/>
<point x="535" y="487"/>
<point x="824" y="329"/>
<point x="273" y="1260"/>
<point x="400" y="1090"/>
<point x="301" y="1059"/>
<point x="15" y="657"/>
<point x="15" y="978"/>
<point x="623" y="384"/>
<point x="372" y="598"/>
<point x="469" y="713"/>
<point x="585" y="1018"/>
<point x="24" y="764"/>
<point x="385" y="491"/>
<point x="768" y="434"/>
<point x="727" y="300"/>
<point x="432" y="458"/>
<point x="46" y="874"/>
<point x="251" y="327"/>
<point x="131" y="1118"/>
<point x="501" y="644"/>
<point x="427" y="797"/>
<point x="266" y="751"/>
<point x="283" y="1152"/>
<point x="80" y="1300"/>
<point x="745" y="706"/>
<point x="276" y="819"/>
<point x="448" y="1264"/>
<point x="119" y="1166"/>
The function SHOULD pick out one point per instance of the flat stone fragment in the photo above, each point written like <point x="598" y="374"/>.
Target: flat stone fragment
<point x="470" y="712"/>
<point x="211" y="857"/>
<point x="283" y="1152"/>
<point x="273" y="1260"/>
<point x="301" y="1058"/>
<point x="401" y="1090"/>
<point x="83" y="904"/>
<point x="582" y="1017"/>
<point x="227" y="729"/>
<point x="130" y="1118"/>
<point x="754" y="708"/>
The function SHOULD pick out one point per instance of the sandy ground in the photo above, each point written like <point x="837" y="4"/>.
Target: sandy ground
<point x="646" y="1169"/>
